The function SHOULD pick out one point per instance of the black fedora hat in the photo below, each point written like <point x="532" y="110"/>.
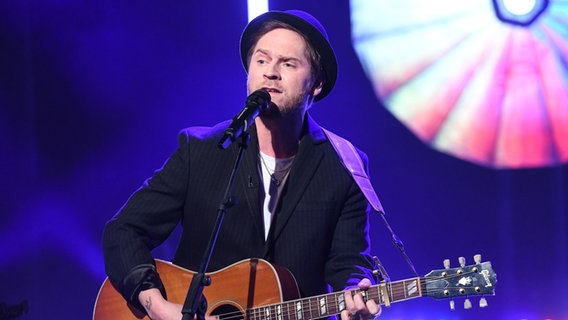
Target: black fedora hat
<point x="309" y="27"/>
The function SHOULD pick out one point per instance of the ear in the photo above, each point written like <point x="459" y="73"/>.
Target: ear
<point x="317" y="88"/>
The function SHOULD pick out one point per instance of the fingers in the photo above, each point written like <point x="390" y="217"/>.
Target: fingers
<point x="345" y="315"/>
<point x="364" y="284"/>
<point x="357" y="308"/>
<point x="374" y="309"/>
<point x="352" y="305"/>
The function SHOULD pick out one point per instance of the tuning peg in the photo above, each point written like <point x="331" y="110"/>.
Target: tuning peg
<point x="482" y="302"/>
<point x="462" y="261"/>
<point x="447" y="263"/>
<point x="477" y="258"/>
<point x="452" y="305"/>
<point x="467" y="304"/>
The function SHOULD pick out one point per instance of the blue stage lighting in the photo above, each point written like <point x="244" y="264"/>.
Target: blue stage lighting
<point x="256" y="8"/>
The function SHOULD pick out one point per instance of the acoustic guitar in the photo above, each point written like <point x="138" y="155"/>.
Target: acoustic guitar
<point x="256" y="289"/>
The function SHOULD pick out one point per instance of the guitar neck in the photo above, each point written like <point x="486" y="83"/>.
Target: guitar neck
<point x="333" y="303"/>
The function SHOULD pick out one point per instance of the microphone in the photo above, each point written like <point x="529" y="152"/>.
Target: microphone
<point x="256" y="103"/>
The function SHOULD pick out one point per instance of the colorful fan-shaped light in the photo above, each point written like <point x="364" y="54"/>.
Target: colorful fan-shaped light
<point x="469" y="82"/>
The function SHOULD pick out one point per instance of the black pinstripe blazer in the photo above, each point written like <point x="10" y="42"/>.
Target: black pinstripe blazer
<point x="319" y="231"/>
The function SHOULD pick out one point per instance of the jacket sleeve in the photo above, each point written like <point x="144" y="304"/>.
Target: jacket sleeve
<point x="145" y="221"/>
<point x="140" y="278"/>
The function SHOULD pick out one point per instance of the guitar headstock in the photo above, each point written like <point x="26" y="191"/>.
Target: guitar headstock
<point x="462" y="281"/>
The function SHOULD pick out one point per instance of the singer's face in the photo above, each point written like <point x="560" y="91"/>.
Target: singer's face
<point x="280" y="65"/>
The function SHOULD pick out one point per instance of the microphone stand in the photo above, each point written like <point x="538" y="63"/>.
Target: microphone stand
<point x="194" y="303"/>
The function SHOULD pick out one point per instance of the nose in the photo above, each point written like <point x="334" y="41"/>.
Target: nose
<point x="271" y="72"/>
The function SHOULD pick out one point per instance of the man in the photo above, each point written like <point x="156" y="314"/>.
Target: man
<point x="297" y="205"/>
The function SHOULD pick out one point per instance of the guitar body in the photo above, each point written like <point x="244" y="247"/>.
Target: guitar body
<point x="236" y="288"/>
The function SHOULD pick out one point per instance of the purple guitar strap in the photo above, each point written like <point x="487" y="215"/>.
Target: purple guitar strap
<point x="354" y="165"/>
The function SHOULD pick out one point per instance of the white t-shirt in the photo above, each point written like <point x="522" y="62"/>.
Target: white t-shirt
<point x="274" y="175"/>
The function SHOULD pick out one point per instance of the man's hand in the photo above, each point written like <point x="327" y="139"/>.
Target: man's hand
<point x="357" y="308"/>
<point x="159" y="308"/>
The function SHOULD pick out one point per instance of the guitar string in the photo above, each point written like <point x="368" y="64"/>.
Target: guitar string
<point x="261" y="311"/>
<point x="311" y="309"/>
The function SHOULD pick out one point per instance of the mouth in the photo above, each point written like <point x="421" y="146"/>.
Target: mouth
<point x="271" y="90"/>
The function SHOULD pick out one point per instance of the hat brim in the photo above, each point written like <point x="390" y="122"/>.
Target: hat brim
<point x="318" y="40"/>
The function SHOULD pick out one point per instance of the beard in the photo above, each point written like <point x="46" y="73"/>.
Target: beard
<point x="297" y="104"/>
<point x="300" y="101"/>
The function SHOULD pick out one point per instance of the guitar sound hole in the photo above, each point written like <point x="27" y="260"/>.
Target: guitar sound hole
<point x="228" y="312"/>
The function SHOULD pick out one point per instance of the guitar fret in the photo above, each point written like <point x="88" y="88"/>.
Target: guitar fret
<point x="381" y="295"/>
<point x="308" y="308"/>
<point x="416" y="290"/>
<point x="314" y="308"/>
<point x="290" y="310"/>
<point x="288" y="313"/>
<point x="401" y="289"/>
<point x="331" y="305"/>
<point x="299" y="315"/>
<point x="323" y="306"/>
<point x="340" y="302"/>
<point x="364" y="295"/>
<point x="374" y="294"/>
<point x="267" y="314"/>
<point x="293" y="313"/>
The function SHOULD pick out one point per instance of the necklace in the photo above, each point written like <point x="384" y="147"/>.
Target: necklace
<point x="280" y="169"/>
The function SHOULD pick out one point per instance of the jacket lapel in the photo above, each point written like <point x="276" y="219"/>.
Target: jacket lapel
<point x="249" y="178"/>
<point x="305" y="165"/>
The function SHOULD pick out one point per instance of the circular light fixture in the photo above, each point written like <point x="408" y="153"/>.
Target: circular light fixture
<point x="519" y="12"/>
<point x="467" y="83"/>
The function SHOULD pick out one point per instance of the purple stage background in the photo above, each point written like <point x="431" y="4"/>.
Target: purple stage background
<point x="93" y="94"/>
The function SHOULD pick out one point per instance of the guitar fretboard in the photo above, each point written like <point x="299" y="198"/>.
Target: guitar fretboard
<point x="331" y="304"/>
